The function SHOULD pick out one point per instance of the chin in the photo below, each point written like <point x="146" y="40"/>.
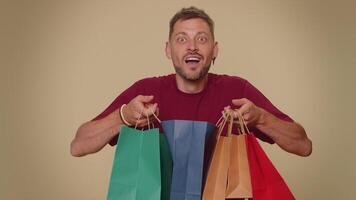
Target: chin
<point x="193" y="78"/>
<point x="190" y="75"/>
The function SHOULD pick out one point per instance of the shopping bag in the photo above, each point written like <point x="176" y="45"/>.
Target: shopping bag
<point x="187" y="141"/>
<point x="166" y="167"/>
<point x="216" y="180"/>
<point x="267" y="183"/>
<point x="136" y="172"/>
<point x="239" y="179"/>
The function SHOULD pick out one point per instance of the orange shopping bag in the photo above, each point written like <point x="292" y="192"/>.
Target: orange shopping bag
<point x="216" y="180"/>
<point x="239" y="179"/>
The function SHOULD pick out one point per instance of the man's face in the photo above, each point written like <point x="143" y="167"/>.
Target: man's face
<point x="191" y="48"/>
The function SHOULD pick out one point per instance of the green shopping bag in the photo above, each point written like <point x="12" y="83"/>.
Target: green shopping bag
<point x="136" y="172"/>
<point x="166" y="168"/>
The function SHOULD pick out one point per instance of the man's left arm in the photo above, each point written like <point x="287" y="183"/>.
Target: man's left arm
<point x="290" y="136"/>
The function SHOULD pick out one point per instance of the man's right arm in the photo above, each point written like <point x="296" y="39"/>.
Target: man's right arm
<point x="92" y="136"/>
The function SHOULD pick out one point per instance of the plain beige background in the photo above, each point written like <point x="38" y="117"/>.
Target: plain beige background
<point x="63" y="62"/>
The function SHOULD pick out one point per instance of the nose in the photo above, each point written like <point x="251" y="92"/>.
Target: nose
<point x="192" y="46"/>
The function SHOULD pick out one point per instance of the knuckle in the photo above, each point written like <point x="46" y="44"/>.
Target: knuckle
<point x="136" y="115"/>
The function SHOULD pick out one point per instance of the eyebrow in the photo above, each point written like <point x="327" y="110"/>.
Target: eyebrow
<point x="180" y="33"/>
<point x="183" y="33"/>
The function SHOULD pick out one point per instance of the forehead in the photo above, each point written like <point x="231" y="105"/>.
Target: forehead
<point x="195" y="25"/>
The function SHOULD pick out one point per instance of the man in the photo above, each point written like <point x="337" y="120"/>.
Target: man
<point x="191" y="94"/>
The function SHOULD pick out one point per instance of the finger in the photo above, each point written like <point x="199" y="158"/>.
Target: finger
<point x="155" y="117"/>
<point x="235" y="114"/>
<point x="141" y="122"/>
<point x="149" y="117"/>
<point x="247" y="117"/>
<point x="137" y="116"/>
<point x="146" y="122"/>
<point x="244" y="109"/>
<point x="240" y="102"/>
<point x="150" y="109"/>
<point x="227" y="110"/>
<point x="157" y="112"/>
<point x="153" y="107"/>
<point x="152" y="119"/>
<point x="223" y="114"/>
<point x="130" y="115"/>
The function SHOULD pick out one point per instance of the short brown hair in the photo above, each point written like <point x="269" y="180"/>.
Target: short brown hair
<point x="190" y="13"/>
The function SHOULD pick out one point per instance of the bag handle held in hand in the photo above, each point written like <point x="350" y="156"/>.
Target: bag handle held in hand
<point x="243" y="126"/>
<point x="148" y="120"/>
<point x="227" y="117"/>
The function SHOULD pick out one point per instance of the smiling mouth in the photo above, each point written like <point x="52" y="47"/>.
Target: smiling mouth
<point x="192" y="60"/>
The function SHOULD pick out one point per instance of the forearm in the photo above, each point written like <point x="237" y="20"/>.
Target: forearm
<point x="94" y="135"/>
<point x="290" y="136"/>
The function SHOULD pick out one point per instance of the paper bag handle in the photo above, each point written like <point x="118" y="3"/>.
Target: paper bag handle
<point x="148" y="120"/>
<point x="243" y="127"/>
<point x="226" y="116"/>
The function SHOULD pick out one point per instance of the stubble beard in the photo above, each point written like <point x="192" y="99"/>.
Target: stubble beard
<point x="194" y="76"/>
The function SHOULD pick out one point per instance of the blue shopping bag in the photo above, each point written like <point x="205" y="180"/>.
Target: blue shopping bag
<point x="187" y="141"/>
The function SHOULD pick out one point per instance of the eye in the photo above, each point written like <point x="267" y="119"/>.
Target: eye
<point x="202" y="39"/>
<point x="181" y="39"/>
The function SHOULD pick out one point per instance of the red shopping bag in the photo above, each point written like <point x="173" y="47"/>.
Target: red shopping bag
<point x="267" y="183"/>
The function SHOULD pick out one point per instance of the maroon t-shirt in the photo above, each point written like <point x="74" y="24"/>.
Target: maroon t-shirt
<point x="203" y="106"/>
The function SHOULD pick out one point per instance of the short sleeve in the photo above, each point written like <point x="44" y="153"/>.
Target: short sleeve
<point x="124" y="98"/>
<point x="254" y="95"/>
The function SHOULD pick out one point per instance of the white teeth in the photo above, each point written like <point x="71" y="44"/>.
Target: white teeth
<point x="193" y="59"/>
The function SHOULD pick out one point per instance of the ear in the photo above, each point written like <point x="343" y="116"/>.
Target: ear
<point x="216" y="50"/>
<point x="168" y="50"/>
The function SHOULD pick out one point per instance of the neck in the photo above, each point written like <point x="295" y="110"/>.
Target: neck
<point x="191" y="87"/>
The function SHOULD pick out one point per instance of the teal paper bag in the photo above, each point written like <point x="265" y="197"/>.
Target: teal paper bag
<point x="136" y="172"/>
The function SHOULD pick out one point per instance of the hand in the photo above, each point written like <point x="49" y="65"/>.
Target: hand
<point x="139" y="109"/>
<point x="251" y="113"/>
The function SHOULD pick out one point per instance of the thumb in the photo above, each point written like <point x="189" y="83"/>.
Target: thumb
<point x="146" y="99"/>
<point x="239" y="102"/>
